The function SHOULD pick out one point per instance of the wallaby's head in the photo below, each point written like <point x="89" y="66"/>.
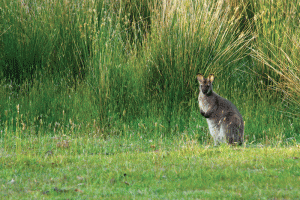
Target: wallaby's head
<point x="206" y="83"/>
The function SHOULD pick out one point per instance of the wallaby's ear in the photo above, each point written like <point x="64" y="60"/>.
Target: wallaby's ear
<point x="200" y="78"/>
<point x="211" y="78"/>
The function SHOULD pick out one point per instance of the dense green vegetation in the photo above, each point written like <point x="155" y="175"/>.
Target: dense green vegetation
<point x="121" y="63"/>
<point x="125" y="71"/>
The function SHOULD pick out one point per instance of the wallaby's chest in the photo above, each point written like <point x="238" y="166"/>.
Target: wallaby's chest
<point x="204" y="102"/>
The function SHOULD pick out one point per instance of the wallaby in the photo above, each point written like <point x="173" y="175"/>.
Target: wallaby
<point x="224" y="120"/>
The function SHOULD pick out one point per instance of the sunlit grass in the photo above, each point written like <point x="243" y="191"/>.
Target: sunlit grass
<point x="65" y="166"/>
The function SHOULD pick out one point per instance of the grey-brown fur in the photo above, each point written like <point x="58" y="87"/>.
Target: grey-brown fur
<point x="224" y="120"/>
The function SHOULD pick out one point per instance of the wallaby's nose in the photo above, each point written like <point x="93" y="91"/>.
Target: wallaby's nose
<point x="206" y="90"/>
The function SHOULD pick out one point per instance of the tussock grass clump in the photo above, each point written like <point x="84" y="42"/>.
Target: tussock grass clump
<point x="52" y="38"/>
<point x="277" y="46"/>
<point x="188" y="37"/>
<point x="158" y="78"/>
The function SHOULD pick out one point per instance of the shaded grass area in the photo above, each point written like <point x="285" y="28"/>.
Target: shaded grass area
<point x="87" y="167"/>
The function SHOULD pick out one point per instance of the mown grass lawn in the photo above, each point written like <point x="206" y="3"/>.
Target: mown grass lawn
<point x="89" y="168"/>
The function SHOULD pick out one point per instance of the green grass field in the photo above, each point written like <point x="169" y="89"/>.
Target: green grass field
<point x="66" y="167"/>
<point x="98" y="99"/>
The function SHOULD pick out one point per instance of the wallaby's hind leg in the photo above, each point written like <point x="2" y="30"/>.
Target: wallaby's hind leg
<point x="234" y="134"/>
<point x="234" y="129"/>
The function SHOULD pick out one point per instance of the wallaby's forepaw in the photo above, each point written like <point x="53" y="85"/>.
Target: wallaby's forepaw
<point x="204" y="114"/>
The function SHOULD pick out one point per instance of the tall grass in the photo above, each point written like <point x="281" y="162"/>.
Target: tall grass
<point x="189" y="37"/>
<point x="130" y="66"/>
<point x="48" y="37"/>
<point x="277" y="46"/>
